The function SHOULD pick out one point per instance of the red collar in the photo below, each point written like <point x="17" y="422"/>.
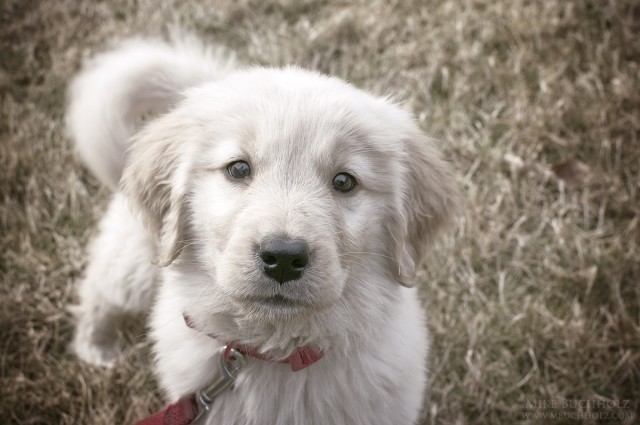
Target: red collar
<point x="300" y="358"/>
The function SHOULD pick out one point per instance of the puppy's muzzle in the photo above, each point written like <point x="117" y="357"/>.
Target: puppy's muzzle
<point x="283" y="259"/>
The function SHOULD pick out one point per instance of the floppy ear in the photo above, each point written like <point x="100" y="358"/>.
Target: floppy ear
<point x="430" y="199"/>
<point x="154" y="180"/>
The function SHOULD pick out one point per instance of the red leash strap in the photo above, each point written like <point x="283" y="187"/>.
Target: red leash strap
<point x="182" y="412"/>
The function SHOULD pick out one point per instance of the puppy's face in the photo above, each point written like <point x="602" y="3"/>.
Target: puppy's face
<point x="287" y="194"/>
<point x="281" y="187"/>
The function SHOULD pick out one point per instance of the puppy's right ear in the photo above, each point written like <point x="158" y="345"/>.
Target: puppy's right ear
<point x="154" y="180"/>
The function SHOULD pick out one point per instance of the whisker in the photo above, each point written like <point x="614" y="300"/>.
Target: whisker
<point x="366" y="286"/>
<point x="372" y="253"/>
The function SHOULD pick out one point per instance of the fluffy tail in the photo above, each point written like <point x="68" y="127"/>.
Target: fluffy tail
<point x="117" y="89"/>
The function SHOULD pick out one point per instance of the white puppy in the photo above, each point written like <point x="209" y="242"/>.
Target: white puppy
<point x="279" y="211"/>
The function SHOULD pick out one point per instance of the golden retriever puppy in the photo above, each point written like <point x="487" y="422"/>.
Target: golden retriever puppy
<point x="277" y="212"/>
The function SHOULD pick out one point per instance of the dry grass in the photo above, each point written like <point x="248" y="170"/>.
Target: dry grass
<point x="537" y="297"/>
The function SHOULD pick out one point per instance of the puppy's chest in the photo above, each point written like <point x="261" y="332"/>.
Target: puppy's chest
<point x="321" y="394"/>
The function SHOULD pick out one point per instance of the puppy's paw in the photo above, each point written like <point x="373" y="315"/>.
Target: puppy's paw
<point x="95" y="342"/>
<point x="95" y="354"/>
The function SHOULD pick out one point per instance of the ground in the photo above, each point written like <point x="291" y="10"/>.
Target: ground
<point x="533" y="301"/>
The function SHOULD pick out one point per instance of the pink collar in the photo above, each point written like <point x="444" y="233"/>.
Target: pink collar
<point x="301" y="357"/>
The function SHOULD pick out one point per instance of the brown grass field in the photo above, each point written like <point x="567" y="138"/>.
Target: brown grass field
<point x="534" y="301"/>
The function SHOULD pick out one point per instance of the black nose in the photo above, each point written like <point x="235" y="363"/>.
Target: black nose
<point x="283" y="259"/>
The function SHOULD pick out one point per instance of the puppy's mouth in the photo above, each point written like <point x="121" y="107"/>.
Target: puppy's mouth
<point x="276" y="301"/>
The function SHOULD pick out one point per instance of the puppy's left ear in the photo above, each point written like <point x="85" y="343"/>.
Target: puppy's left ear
<point x="430" y="201"/>
<point x="155" y="179"/>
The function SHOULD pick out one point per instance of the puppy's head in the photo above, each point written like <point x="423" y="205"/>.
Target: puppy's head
<point x="281" y="187"/>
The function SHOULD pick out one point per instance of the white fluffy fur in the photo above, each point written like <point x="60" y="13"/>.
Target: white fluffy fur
<point x="200" y="228"/>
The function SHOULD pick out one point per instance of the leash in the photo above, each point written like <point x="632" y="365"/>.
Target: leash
<point x="193" y="408"/>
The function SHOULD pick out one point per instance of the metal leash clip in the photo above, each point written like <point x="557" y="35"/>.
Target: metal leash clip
<point x="230" y="362"/>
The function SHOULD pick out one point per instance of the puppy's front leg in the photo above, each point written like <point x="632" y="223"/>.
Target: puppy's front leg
<point x="119" y="280"/>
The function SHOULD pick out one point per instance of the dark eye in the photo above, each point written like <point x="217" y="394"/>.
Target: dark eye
<point x="239" y="170"/>
<point x="344" y="182"/>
